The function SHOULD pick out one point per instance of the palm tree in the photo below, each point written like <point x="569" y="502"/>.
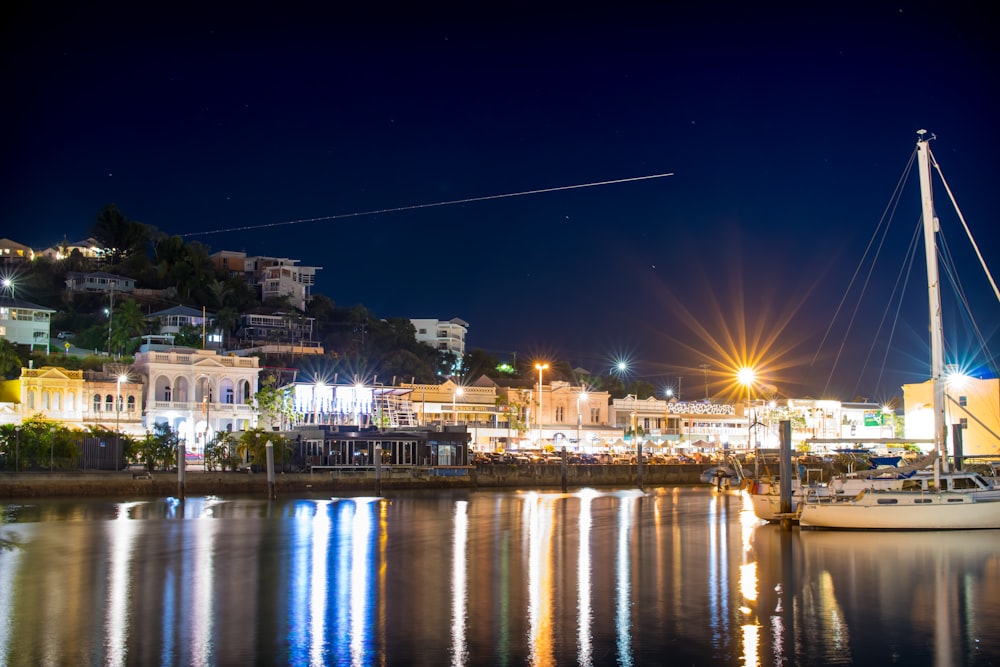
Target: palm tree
<point x="127" y="323"/>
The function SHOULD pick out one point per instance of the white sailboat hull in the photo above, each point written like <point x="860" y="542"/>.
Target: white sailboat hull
<point x="903" y="510"/>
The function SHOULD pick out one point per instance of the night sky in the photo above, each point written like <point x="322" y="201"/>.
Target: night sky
<point x="786" y="128"/>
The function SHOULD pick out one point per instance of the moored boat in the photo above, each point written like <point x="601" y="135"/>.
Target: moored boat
<point x="935" y="500"/>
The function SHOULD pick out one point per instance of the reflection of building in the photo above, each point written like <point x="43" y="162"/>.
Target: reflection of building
<point x="198" y="392"/>
<point x="970" y="402"/>
<point x="24" y="323"/>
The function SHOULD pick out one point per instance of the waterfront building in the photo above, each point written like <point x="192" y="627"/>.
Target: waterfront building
<point x="198" y="392"/>
<point x="109" y="399"/>
<point x="972" y="405"/>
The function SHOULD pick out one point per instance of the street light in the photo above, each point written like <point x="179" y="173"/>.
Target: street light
<point x="745" y="376"/>
<point x="580" y="398"/>
<point x="454" y="413"/>
<point x="704" y="368"/>
<point x="538" y="417"/>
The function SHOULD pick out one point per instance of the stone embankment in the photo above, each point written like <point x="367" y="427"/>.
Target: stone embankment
<point x="126" y="484"/>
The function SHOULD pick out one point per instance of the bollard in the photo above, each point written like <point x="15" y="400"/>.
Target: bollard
<point x="638" y="461"/>
<point x="563" y="465"/>
<point x="181" y="460"/>
<point x="269" y="448"/>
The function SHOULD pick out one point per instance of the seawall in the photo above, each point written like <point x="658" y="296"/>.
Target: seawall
<point x="127" y="484"/>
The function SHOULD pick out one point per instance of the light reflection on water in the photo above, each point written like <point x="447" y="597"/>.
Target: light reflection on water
<point x="591" y="578"/>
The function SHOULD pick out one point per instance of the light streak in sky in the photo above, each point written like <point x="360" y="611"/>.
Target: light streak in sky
<point x="414" y="207"/>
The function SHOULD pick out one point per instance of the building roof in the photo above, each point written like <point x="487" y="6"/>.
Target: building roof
<point x="11" y="302"/>
<point x="184" y="311"/>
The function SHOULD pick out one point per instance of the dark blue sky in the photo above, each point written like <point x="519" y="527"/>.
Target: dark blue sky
<point x="786" y="128"/>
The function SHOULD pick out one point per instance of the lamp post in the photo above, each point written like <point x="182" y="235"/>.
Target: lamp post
<point x="454" y="412"/>
<point x="538" y="417"/>
<point x="746" y="377"/>
<point x="704" y="368"/>
<point x="580" y="398"/>
<point x="118" y="409"/>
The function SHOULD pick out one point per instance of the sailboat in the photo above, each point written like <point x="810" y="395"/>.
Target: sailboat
<point x="933" y="505"/>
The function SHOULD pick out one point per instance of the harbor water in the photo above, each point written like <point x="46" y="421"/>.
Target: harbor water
<point x="673" y="575"/>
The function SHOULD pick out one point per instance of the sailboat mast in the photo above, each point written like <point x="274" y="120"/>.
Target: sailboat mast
<point x="933" y="293"/>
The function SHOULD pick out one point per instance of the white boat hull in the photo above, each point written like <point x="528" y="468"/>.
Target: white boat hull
<point x="903" y="510"/>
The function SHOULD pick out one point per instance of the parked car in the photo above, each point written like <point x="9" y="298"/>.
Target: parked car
<point x="62" y="335"/>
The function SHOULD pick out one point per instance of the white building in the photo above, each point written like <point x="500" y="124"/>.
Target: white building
<point x="444" y="336"/>
<point x="24" y="323"/>
<point x="198" y="392"/>
<point x="99" y="281"/>
<point x="275" y="276"/>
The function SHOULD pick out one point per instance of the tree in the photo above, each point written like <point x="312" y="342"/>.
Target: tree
<point x="251" y="447"/>
<point x="127" y="323"/>
<point x="120" y="236"/>
<point x="479" y="362"/>
<point x="159" y="448"/>
<point x="274" y="403"/>
<point x="10" y="359"/>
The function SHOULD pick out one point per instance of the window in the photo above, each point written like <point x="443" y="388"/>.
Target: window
<point x="560" y="413"/>
<point x="166" y="393"/>
<point x="227" y="395"/>
<point x="109" y="403"/>
<point x="131" y="403"/>
<point x="97" y="402"/>
<point x="595" y="415"/>
<point x="964" y="422"/>
<point x="963" y="401"/>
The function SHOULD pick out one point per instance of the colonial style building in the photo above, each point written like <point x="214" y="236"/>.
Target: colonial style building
<point x="110" y="399"/>
<point x="198" y="392"/>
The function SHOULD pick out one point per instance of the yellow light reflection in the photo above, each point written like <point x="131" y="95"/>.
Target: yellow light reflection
<point x="122" y="533"/>
<point x="540" y="527"/>
<point x="459" y="596"/>
<point x="584" y="612"/>
<point x="748" y="581"/>
<point x="751" y="645"/>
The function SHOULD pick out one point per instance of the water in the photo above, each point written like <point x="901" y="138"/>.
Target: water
<point x="676" y="576"/>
